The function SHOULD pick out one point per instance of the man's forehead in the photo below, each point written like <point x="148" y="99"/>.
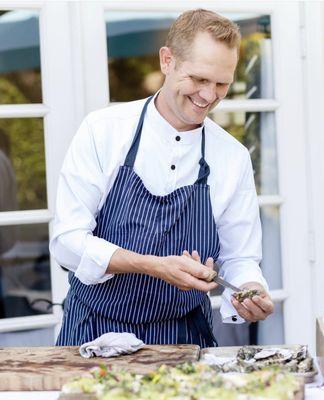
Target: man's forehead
<point x="206" y="68"/>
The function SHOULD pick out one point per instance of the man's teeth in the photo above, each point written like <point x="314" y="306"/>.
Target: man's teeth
<point x="198" y="104"/>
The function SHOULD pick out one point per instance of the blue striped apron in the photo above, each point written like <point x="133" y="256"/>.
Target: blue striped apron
<point x="137" y="220"/>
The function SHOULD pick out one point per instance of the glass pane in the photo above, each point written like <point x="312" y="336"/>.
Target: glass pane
<point x="271" y="247"/>
<point x="20" y="76"/>
<point x="22" y="164"/>
<point x="134" y="39"/>
<point x="25" y="284"/>
<point x="253" y="77"/>
<point x="257" y="132"/>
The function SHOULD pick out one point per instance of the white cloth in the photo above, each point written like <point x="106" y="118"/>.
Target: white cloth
<point x="111" y="344"/>
<point x="91" y="165"/>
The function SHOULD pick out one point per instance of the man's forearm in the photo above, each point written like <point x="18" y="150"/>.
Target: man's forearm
<point x="125" y="261"/>
<point x="180" y="271"/>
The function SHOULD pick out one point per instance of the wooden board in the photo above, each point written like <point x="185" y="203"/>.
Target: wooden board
<point x="48" y="368"/>
<point x="231" y="351"/>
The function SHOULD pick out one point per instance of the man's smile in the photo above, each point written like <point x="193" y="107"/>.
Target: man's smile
<point x="198" y="104"/>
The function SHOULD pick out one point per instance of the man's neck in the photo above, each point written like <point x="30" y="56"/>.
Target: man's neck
<point x="164" y="110"/>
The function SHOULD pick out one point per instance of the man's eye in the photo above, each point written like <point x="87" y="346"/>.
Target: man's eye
<point x="201" y="80"/>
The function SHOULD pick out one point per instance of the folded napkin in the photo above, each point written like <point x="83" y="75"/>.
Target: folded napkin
<point x="111" y="345"/>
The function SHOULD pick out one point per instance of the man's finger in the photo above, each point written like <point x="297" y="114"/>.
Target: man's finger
<point x="209" y="262"/>
<point x="195" y="255"/>
<point x="200" y="284"/>
<point x="242" y="311"/>
<point x="264" y="303"/>
<point x="255" y="310"/>
<point x="186" y="253"/>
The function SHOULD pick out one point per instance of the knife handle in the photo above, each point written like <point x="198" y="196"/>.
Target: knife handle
<point x="211" y="276"/>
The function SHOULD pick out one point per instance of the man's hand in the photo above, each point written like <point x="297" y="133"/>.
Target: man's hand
<point x="255" y="309"/>
<point x="186" y="272"/>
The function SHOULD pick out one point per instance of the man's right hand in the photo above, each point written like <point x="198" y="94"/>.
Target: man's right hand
<point x="185" y="272"/>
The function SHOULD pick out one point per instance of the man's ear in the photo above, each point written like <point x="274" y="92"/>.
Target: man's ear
<point x="166" y="59"/>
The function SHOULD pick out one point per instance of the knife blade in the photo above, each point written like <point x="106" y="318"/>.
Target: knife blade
<point x="214" y="277"/>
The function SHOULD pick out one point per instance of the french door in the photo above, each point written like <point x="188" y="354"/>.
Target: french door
<point x="93" y="54"/>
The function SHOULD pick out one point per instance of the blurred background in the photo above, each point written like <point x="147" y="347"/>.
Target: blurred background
<point x="60" y="60"/>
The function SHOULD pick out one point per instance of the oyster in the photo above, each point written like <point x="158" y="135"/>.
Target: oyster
<point x="305" y="365"/>
<point x="292" y="366"/>
<point x="246" y="294"/>
<point x="300" y="353"/>
<point x="265" y="353"/>
<point x="247" y="352"/>
<point x="253" y="358"/>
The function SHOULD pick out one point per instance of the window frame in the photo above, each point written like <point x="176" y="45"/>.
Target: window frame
<point x="59" y="116"/>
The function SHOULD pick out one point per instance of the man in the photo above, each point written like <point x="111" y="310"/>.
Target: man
<point x="151" y="194"/>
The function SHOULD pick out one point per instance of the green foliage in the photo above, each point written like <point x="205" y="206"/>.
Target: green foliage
<point x="22" y="139"/>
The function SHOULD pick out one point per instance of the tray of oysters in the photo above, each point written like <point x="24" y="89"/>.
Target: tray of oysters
<point x="290" y="358"/>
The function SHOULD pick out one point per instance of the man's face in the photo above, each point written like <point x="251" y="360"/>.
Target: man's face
<point x="196" y="85"/>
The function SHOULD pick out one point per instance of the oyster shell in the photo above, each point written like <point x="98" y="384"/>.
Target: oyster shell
<point x="247" y="352"/>
<point x="300" y="353"/>
<point x="253" y="358"/>
<point x="246" y="294"/>
<point x="305" y="365"/>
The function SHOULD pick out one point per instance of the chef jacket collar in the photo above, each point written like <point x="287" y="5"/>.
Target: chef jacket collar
<point x="166" y="131"/>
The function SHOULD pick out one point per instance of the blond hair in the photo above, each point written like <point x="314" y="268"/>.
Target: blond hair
<point x="185" y="28"/>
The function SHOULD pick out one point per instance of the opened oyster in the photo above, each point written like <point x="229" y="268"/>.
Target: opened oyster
<point x="246" y="294"/>
<point x="253" y="358"/>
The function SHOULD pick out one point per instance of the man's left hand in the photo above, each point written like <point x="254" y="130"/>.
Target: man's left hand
<point x="255" y="309"/>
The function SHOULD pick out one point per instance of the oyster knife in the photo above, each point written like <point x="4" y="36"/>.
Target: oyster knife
<point x="214" y="277"/>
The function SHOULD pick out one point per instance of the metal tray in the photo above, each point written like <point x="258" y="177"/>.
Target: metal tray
<point x="231" y="351"/>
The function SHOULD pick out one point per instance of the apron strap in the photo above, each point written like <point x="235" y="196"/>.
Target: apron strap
<point x="131" y="155"/>
<point x="204" y="169"/>
<point x="196" y="322"/>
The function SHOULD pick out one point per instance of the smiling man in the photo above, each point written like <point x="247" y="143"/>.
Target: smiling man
<point x="152" y="194"/>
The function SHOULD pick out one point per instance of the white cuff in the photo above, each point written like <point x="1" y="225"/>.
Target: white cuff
<point x="95" y="260"/>
<point x="228" y="312"/>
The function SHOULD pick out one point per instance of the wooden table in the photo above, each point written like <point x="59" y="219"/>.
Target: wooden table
<point x="48" y="368"/>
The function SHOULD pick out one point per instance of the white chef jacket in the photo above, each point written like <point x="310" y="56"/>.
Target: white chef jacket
<point x="91" y="165"/>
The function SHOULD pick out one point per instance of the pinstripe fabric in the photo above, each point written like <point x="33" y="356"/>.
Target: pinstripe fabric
<point x="135" y="219"/>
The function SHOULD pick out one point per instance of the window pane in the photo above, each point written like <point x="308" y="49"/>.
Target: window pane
<point x="271" y="247"/>
<point x="257" y="132"/>
<point x="20" y="76"/>
<point x="25" y="284"/>
<point x="22" y="164"/>
<point x="134" y="39"/>
<point x="253" y="77"/>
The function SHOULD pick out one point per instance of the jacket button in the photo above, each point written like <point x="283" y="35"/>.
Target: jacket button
<point x="178" y="138"/>
<point x="173" y="167"/>
<point x="234" y="318"/>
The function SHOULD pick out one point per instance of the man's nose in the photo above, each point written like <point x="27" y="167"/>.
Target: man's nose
<point x="208" y="93"/>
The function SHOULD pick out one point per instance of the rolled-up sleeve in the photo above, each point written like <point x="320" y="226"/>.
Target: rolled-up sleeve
<point x="80" y="191"/>
<point x="240" y="236"/>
